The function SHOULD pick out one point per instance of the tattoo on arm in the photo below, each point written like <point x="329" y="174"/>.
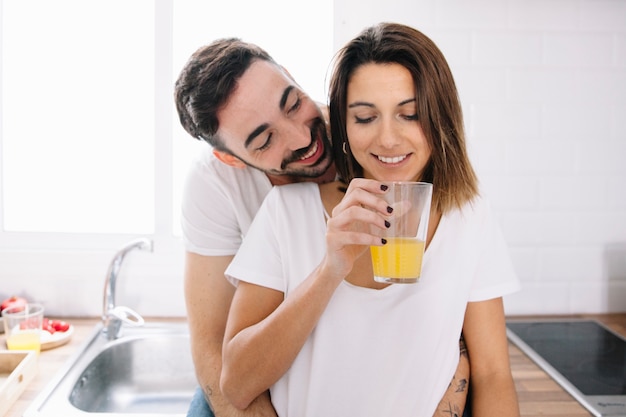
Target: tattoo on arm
<point x="208" y="391"/>
<point x="452" y="410"/>
<point x="462" y="385"/>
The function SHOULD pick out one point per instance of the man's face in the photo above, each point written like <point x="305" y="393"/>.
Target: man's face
<point x="269" y="123"/>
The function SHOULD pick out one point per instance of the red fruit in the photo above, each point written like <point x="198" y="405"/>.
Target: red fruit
<point x="59" y="325"/>
<point x="45" y="325"/>
<point x="14" y="301"/>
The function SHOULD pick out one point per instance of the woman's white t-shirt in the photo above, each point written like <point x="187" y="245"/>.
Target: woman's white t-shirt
<point x="388" y="352"/>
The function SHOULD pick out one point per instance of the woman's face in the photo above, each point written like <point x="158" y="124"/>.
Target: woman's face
<point x="383" y="126"/>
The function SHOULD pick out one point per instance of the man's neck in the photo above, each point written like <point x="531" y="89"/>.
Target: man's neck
<point x="328" y="176"/>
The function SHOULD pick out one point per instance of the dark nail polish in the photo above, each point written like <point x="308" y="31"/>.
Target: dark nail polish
<point x="387" y="224"/>
<point x="389" y="209"/>
<point x="384" y="187"/>
<point x="384" y="241"/>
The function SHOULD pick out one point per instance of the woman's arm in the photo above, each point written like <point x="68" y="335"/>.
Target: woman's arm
<point x="454" y="400"/>
<point x="264" y="334"/>
<point x="266" y="331"/>
<point x="492" y="387"/>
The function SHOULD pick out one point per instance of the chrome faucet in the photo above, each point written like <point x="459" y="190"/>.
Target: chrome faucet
<point x="113" y="316"/>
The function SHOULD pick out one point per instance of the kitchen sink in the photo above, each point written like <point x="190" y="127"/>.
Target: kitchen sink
<point x="147" y="371"/>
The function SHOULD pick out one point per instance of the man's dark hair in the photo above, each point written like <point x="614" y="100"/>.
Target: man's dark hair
<point x="207" y="81"/>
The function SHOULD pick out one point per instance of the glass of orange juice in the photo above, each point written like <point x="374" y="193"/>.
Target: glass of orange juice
<point x="22" y="326"/>
<point x="400" y="259"/>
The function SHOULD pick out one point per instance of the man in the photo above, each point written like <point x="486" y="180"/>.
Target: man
<point x="234" y="96"/>
<point x="263" y="131"/>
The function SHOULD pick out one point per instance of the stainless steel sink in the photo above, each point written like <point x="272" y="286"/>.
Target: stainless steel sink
<point x="147" y="371"/>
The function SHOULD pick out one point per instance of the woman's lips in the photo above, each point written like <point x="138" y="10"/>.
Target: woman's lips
<point x="392" y="159"/>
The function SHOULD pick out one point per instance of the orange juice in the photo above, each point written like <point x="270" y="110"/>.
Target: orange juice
<point x="399" y="260"/>
<point x="24" y="340"/>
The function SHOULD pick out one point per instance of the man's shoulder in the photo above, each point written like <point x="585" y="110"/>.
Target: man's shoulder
<point x="207" y="169"/>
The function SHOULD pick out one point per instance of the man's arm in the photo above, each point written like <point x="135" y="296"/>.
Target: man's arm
<point x="208" y="296"/>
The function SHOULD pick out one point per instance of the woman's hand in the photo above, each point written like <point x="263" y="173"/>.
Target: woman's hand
<point x="353" y="224"/>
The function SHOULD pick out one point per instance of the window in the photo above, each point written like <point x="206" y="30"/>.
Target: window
<point x="92" y="153"/>
<point x="78" y="117"/>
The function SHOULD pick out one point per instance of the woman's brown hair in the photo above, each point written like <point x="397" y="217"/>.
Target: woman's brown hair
<point x="438" y="108"/>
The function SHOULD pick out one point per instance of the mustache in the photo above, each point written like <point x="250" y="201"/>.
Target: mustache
<point x="318" y="129"/>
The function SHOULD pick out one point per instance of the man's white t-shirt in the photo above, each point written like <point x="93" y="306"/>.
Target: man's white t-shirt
<point x="219" y="203"/>
<point x="389" y="352"/>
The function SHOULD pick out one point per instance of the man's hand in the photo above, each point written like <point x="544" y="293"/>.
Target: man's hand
<point x="261" y="407"/>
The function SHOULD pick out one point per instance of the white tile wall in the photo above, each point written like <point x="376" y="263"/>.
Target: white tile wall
<point x="543" y="86"/>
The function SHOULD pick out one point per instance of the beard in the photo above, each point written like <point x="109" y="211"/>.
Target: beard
<point x="291" y="166"/>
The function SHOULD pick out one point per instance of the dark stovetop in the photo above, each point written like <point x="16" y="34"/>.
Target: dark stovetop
<point x="587" y="354"/>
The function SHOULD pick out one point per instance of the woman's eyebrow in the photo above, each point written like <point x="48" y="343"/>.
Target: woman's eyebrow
<point x="366" y="104"/>
<point x="360" y="103"/>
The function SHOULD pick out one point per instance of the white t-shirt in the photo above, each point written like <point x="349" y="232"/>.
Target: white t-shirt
<point x="218" y="205"/>
<point x="389" y="352"/>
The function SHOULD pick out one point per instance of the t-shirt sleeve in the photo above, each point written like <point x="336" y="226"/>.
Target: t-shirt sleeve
<point x="208" y="224"/>
<point x="258" y="259"/>
<point x="218" y="205"/>
<point x="494" y="276"/>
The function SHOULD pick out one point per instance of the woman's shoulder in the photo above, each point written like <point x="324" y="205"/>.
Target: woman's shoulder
<point x="294" y="189"/>
<point x="478" y="207"/>
<point x="293" y="195"/>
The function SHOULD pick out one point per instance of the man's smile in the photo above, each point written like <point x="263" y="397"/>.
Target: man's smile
<point x="312" y="153"/>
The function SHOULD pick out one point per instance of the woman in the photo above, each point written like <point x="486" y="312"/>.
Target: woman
<point x="308" y="319"/>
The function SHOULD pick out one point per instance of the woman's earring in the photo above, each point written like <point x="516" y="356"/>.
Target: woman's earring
<point x="345" y="151"/>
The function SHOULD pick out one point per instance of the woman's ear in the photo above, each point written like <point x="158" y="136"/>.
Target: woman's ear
<point x="229" y="159"/>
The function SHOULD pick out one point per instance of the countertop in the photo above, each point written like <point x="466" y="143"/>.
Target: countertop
<point x="539" y="395"/>
<point x="49" y="362"/>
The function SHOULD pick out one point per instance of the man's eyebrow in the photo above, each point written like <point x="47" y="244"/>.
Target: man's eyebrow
<point x="256" y="132"/>
<point x="283" y="99"/>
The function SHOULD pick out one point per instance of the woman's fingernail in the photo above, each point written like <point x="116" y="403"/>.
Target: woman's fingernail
<point x="389" y="209"/>
<point x="384" y="187"/>
<point x="387" y="224"/>
<point x="384" y="241"/>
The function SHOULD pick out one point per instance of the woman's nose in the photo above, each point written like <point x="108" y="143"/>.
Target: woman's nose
<point x="388" y="136"/>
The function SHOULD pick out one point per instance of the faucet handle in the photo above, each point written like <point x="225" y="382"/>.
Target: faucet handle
<point x="127" y="315"/>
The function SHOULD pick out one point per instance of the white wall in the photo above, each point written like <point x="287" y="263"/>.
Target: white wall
<point x="543" y="86"/>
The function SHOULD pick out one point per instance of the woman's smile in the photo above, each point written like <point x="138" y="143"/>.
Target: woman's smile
<point x="392" y="160"/>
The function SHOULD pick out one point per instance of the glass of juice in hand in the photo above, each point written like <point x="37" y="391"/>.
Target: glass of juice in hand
<point x="400" y="259"/>
<point x="22" y="326"/>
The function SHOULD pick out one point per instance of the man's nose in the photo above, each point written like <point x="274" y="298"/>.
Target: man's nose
<point x="297" y="136"/>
